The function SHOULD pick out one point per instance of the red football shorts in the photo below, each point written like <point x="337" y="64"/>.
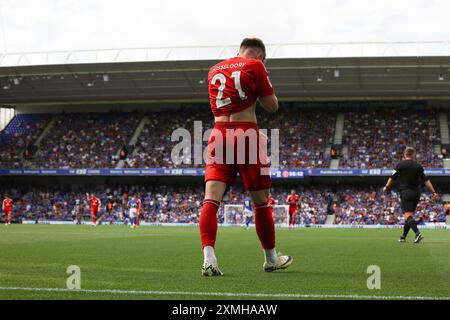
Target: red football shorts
<point x="238" y="147"/>
<point x="94" y="211"/>
<point x="293" y="211"/>
<point x="7" y="212"/>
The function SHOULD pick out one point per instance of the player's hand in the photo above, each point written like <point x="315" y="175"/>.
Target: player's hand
<point x="385" y="189"/>
<point x="435" y="197"/>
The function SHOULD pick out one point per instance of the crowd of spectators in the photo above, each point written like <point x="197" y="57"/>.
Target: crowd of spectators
<point x="154" y="146"/>
<point x="22" y="132"/>
<point x="162" y="204"/>
<point x="304" y="136"/>
<point x="372" y="138"/>
<point x="376" y="138"/>
<point x="85" y="140"/>
<point x="350" y="205"/>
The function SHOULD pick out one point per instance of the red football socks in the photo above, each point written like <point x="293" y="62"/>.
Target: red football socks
<point x="265" y="227"/>
<point x="208" y="222"/>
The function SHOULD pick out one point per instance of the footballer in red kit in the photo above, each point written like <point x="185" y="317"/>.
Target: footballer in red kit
<point x="271" y="202"/>
<point x="95" y="204"/>
<point x="7" y="206"/>
<point x="237" y="146"/>
<point x="292" y="200"/>
<point x="138" y="214"/>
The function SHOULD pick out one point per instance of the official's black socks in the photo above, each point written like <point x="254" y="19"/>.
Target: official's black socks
<point x="412" y="223"/>
<point x="406" y="228"/>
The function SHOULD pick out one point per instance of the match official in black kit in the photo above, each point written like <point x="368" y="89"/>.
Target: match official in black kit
<point x="410" y="177"/>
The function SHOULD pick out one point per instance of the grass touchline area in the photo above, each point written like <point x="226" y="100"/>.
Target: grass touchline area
<point x="117" y="262"/>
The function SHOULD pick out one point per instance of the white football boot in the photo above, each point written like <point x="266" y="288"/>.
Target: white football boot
<point x="282" y="262"/>
<point x="211" y="270"/>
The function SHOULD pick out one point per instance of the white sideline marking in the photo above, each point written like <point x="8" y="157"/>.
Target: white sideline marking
<point x="229" y="294"/>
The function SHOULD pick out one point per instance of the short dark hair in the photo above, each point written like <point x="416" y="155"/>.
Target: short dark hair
<point x="410" y="152"/>
<point x="254" y="43"/>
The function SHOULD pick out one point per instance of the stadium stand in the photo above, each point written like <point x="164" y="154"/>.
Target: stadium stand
<point x="304" y="137"/>
<point x="181" y="204"/>
<point x="372" y="138"/>
<point x="375" y="138"/>
<point x="85" y="140"/>
<point x="154" y="145"/>
<point x="21" y="132"/>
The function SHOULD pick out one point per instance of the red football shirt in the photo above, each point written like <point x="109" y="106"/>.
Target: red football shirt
<point x="95" y="203"/>
<point x="236" y="83"/>
<point x="7" y="204"/>
<point x="138" y="201"/>
<point x="292" y="199"/>
<point x="271" y="202"/>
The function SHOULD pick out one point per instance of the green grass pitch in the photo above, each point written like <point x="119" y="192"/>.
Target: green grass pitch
<point x="165" y="263"/>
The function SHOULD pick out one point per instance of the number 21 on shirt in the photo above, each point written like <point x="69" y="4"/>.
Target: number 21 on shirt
<point x="220" y="100"/>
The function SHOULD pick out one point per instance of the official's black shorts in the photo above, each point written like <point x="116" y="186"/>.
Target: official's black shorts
<point x="409" y="200"/>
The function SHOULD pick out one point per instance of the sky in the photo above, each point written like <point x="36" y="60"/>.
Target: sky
<point x="47" y="25"/>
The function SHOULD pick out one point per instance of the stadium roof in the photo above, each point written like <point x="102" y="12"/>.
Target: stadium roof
<point x="171" y="80"/>
<point x="220" y="52"/>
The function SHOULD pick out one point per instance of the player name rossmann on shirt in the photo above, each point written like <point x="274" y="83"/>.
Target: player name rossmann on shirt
<point x="229" y="66"/>
<point x="227" y="309"/>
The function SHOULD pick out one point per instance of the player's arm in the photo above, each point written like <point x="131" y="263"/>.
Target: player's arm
<point x="390" y="183"/>
<point x="269" y="103"/>
<point x="429" y="186"/>
<point x="267" y="97"/>
<point x="3" y="205"/>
